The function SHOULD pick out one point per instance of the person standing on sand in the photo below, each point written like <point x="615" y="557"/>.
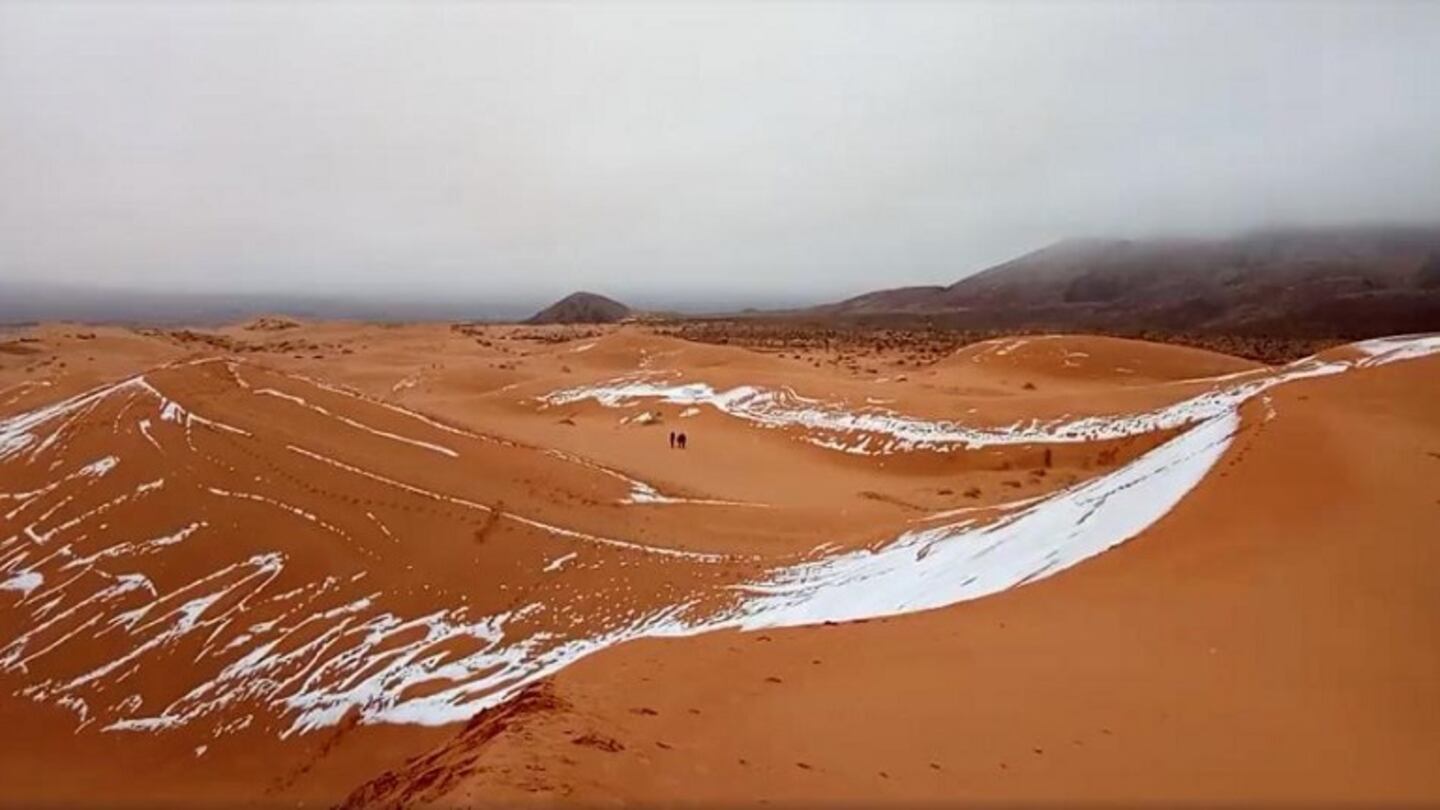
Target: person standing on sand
<point x="672" y="440"/>
<point x="680" y="440"/>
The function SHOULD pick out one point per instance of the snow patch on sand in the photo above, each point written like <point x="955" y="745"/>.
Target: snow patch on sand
<point x="559" y="562"/>
<point x="1380" y="351"/>
<point x="24" y="582"/>
<point x="941" y="566"/>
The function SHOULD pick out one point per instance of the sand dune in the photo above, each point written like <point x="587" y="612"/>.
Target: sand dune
<point x="277" y="564"/>
<point x="1272" y="645"/>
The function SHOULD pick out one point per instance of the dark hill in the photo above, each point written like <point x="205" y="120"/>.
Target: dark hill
<point x="582" y="307"/>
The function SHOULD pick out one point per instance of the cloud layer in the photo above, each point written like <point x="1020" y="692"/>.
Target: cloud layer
<point x="682" y="151"/>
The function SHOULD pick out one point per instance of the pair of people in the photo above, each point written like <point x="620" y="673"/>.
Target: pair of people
<point x="677" y="440"/>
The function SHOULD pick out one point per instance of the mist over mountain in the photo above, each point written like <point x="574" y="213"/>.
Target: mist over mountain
<point x="1350" y="281"/>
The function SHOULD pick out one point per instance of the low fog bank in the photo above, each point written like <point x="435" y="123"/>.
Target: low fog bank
<point x="32" y="303"/>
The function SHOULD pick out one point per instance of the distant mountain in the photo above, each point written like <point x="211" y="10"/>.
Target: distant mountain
<point x="1351" y="281"/>
<point x="899" y="299"/>
<point x="582" y="307"/>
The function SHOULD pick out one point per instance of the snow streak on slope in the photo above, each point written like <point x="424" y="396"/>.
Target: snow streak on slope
<point x="94" y="608"/>
<point x="1380" y="351"/>
<point x="872" y="430"/>
<point x="948" y="564"/>
<point x="640" y="491"/>
<point x="302" y="402"/>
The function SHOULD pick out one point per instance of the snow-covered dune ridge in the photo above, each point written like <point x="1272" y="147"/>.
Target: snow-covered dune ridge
<point x="943" y="565"/>
<point x="873" y="430"/>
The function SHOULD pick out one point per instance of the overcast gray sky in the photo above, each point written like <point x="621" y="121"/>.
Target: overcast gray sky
<point x="679" y="150"/>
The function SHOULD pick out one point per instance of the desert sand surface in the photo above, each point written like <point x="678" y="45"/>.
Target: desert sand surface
<point x="312" y="563"/>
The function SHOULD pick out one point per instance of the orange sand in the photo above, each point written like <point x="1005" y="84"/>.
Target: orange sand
<point x="1269" y="639"/>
